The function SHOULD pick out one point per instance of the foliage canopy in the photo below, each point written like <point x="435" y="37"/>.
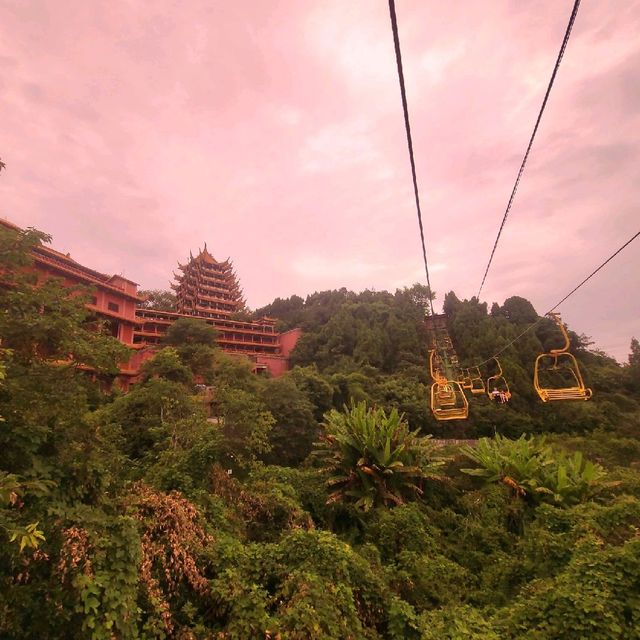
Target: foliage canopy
<point x="168" y="513"/>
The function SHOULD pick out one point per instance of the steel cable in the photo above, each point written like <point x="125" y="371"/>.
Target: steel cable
<point x="555" y="306"/>
<point x="405" y="108"/>
<point x="533" y="135"/>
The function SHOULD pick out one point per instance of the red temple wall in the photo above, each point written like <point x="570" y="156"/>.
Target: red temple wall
<point x="125" y="334"/>
<point x="276" y="365"/>
<point x="288" y="341"/>
<point x="126" y="307"/>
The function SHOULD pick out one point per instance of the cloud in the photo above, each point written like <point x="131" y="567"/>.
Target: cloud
<point x="134" y="133"/>
<point x="316" y="268"/>
<point x="437" y="60"/>
<point x="339" y="146"/>
<point x="288" y="115"/>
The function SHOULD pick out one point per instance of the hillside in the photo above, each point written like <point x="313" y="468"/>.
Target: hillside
<point x="305" y="506"/>
<point x="373" y="344"/>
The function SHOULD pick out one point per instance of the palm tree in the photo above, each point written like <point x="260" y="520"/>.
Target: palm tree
<point x="373" y="458"/>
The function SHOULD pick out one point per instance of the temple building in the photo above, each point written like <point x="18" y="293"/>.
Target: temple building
<point x="205" y="289"/>
<point x="208" y="289"/>
<point x="258" y="340"/>
<point x="114" y="299"/>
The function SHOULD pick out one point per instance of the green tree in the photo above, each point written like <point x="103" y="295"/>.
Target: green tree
<point x="150" y="417"/>
<point x="634" y="365"/>
<point x="13" y="491"/>
<point x="317" y="388"/>
<point x="233" y="372"/>
<point x="159" y="299"/>
<point x="246" y="424"/>
<point x="53" y="359"/>
<point x="634" y="356"/>
<point x="595" y="596"/>
<point x="185" y="462"/>
<point x="195" y="343"/>
<point x="518" y="310"/>
<point x="405" y="394"/>
<point x="295" y="427"/>
<point x="191" y="331"/>
<point x="166" y="364"/>
<point x="417" y="296"/>
<point x="289" y="311"/>
<point x="53" y="355"/>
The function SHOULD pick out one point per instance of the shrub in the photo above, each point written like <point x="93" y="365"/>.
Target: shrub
<point x="596" y="597"/>
<point x="406" y="528"/>
<point x="533" y="470"/>
<point x="373" y="458"/>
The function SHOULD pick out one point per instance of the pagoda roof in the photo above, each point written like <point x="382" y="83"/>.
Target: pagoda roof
<point x="205" y="256"/>
<point x="206" y="259"/>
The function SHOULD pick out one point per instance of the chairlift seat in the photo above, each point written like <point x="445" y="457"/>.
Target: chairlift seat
<point x="477" y="384"/>
<point x="578" y="391"/>
<point x="498" y="382"/>
<point x="448" y="401"/>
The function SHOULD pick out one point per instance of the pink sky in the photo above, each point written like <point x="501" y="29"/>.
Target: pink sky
<point x="135" y="131"/>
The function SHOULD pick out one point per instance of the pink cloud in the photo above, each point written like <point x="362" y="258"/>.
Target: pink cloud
<point x="135" y="132"/>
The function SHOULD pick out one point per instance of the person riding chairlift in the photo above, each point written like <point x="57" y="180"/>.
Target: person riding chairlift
<point x="499" y="396"/>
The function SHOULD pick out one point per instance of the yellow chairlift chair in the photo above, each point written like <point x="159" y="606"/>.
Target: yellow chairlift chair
<point x="448" y="401"/>
<point x="464" y="378"/>
<point x="477" y="384"/>
<point x="559" y="363"/>
<point x="497" y="386"/>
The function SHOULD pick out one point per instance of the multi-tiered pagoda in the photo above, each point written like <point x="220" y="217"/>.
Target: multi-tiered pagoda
<point x="207" y="288"/>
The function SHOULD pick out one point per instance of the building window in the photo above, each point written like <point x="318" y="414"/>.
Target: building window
<point x="93" y="301"/>
<point x="113" y="328"/>
<point x="112" y="306"/>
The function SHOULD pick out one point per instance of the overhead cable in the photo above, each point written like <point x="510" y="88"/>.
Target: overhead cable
<point x="574" y="12"/>
<point x="405" y="108"/>
<point x="555" y="306"/>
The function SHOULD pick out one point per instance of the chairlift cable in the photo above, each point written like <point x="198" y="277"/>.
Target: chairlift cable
<point x="555" y="306"/>
<point x="405" y="108"/>
<point x="574" y="12"/>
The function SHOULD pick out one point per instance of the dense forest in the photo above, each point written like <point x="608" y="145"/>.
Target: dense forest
<point x="314" y="505"/>
<point x="372" y="346"/>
